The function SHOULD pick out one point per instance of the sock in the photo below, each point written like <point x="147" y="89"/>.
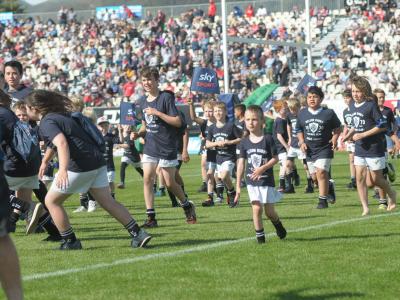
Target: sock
<point x="220" y="189"/>
<point x="90" y="197"/>
<point x="41" y="193"/>
<point x="47" y="223"/>
<point x="185" y="204"/>
<point x="282" y="182"/>
<point x="68" y="235"/>
<point x="383" y="201"/>
<point x="19" y="204"/>
<point x="122" y="172"/>
<point x="83" y="198"/>
<point x="289" y="179"/>
<point x="295" y="174"/>
<point x="151" y="214"/>
<point x="140" y="171"/>
<point x="133" y="228"/>
<point x="260" y="235"/>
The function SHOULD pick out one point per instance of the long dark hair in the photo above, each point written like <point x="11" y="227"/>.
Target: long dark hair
<point x="49" y="102"/>
<point x="5" y="99"/>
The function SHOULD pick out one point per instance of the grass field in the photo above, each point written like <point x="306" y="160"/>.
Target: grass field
<point x="328" y="254"/>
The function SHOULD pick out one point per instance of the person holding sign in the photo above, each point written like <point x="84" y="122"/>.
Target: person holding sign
<point x="160" y="129"/>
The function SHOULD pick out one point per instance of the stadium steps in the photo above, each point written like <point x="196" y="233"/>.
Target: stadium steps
<point x="319" y="49"/>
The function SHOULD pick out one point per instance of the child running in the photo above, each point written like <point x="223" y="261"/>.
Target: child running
<point x="81" y="166"/>
<point x="261" y="155"/>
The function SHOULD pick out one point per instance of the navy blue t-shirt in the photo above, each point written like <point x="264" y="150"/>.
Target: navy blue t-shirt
<point x="14" y="164"/>
<point x="227" y="132"/>
<point x="317" y="127"/>
<point x="84" y="154"/>
<point x="388" y="115"/>
<point x="110" y="139"/>
<point x="19" y="94"/>
<point x="211" y="153"/>
<point x="160" y="139"/>
<point x="365" y="117"/>
<point x="131" y="152"/>
<point x="258" y="154"/>
<point x="280" y="126"/>
<point x="292" y="121"/>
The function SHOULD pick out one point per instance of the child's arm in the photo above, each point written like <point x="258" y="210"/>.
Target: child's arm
<point x="171" y="120"/>
<point x="185" y="153"/>
<point x="141" y="133"/>
<point x="232" y="142"/>
<point x="239" y="175"/>
<point x="371" y="132"/>
<point x="63" y="158"/>
<point x="282" y="141"/>
<point x="192" y="113"/>
<point x="289" y="131"/>
<point x="335" y="137"/>
<point x="302" y="144"/>
<point x="257" y="173"/>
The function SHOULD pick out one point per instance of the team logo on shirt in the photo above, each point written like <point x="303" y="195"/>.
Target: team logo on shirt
<point x="348" y="120"/>
<point x="356" y="121"/>
<point x="149" y="118"/>
<point x="313" y="127"/>
<point x="256" y="160"/>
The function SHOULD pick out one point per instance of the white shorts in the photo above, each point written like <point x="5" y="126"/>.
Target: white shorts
<point x="350" y="147"/>
<point x="296" y="152"/>
<point x="211" y="166"/>
<point x="321" y="163"/>
<point x="127" y="160"/>
<point x="110" y="176"/>
<point x="226" y="166"/>
<point x="282" y="158"/>
<point x="82" y="182"/>
<point x="389" y="143"/>
<point x="263" y="194"/>
<point x="373" y="163"/>
<point x="162" y="163"/>
<point x="16" y="183"/>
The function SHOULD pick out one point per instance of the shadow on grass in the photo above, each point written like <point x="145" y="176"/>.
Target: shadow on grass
<point x="296" y="295"/>
<point x="301" y="217"/>
<point x="226" y="221"/>
<point x="345" y="237"/>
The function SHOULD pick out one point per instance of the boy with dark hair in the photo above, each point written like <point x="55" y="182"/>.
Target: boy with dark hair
<point x="159" y="128"/>
<point x="318" y="131"/>
<point x="13" y="72"/>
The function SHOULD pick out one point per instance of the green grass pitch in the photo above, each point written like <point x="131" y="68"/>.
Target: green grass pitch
<point x="328" y="254"/>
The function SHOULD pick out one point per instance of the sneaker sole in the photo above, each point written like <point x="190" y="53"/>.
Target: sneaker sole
<point x="145" y="241"/>
<point x="35" y="218"/>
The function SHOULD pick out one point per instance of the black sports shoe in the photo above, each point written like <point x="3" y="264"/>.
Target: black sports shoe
<point x="280" y="230"/>
<point x="309" y="190"/>
<point x="190" y="213"/>
<point x="202" y="188"/>
<point x="261" y="239"/>
<point x="289" y="190"/>
<point x="322" y="204"/>
<point x="297" y="180"/>
<point x="70" y="245"/>
<point x="150" y="223"/>
<point x="207" y="203"/>
<point x="231" y="199"/>
<point x="52" y="238"/>
<point x="140" y="239"/>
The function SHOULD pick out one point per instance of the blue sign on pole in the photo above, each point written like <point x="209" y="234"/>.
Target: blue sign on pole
<point x="305" y="84"/>
<point x="128" y="114"/>
<point x="205" y="80"/>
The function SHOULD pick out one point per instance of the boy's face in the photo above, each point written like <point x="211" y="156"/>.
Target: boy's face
<point x="104" y="126"/>
<point x="313" y="101"/>
<point x="149" y="83"/>
<point x="381" y="99"/>
<point x="219" y="114"/>
<point x="22" y="115"/>
<point x="347" y="100"/>
<point x="208" y="112"/>
<point x="357" y="94"/>
<point x="12" y="76"/>
<point x="252" y="121"/>
<point x="238" y="114"/>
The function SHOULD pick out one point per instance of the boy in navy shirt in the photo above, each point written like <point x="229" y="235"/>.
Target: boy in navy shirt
<point x="259" y="150"/>
<point x="159" y="128"/>
<point x="368" y="127"/>
<point x="318" y="131"/>
<point x="224" y="136"/>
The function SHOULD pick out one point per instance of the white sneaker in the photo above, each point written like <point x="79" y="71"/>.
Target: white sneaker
<point x="80" y="209"/>
<point x="218" y="200"/>
<point x="91" y="206"/>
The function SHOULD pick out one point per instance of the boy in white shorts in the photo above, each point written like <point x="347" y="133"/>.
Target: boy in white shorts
<point x="318" y="131"/>
<point x="261" y="155"/>
<point x="159" y="129"/>
<point x="224" y="136"/>
<point x="294" y="149"/>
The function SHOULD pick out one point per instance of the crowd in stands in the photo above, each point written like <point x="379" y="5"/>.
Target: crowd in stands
<point x="99" y="59"/>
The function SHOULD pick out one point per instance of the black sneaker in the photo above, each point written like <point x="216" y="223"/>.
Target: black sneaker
<point x="53" y="238"/>
<point x="309" y="190"/>
<point x="261" y="239"/>
<point x="190" y="213"/>
<point x="231" y="199"/>
<point x="297" y="180"/>
<point x="207" y="203"/>
<point x="332" y="194"/>
<point x="322" y="204"/>
<point x="141" y="239"/>
<point x="280" y="230"/>
<point x="69" y="245"/>
<point x="203" y="188"/>
<point x="150" y="223"/>
<point x="289" y="190"/>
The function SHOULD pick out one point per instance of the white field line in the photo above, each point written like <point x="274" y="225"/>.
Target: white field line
<point x="189" y="250"/>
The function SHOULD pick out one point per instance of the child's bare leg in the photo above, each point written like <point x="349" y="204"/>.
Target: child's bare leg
<point x="380" y="181"/>
<point x="361" y="175"/>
